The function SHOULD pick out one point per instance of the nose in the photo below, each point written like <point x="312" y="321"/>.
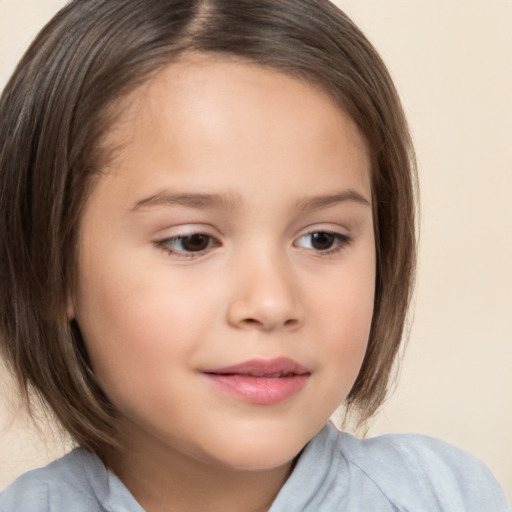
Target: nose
<point x="265" y="296"/>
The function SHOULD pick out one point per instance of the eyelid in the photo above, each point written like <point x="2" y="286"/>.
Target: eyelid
<point x="164" y="243"/>
<point x="342" y="240"/>
<point x="326" y="227"/>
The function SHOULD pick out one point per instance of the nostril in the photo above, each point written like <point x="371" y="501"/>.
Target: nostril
<point x="251" y="321"/>
<point x="264" y="314"/>
<point x="292" y="322"/>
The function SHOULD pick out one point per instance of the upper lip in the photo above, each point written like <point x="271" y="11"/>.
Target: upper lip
<point x="278" y="367"/>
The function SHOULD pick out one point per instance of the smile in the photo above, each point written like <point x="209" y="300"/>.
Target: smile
<point x="260" y="382"/>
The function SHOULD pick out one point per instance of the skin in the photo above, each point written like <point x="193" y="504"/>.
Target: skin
<point x="155" y="315"/>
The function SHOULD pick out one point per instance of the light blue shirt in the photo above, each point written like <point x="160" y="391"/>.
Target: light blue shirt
<point x="336" y="472"/>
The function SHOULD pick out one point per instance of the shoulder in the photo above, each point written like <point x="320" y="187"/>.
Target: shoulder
<point x="54" y="487"/>
<point x="411" y="468"/>
<point x="337" y="471"/>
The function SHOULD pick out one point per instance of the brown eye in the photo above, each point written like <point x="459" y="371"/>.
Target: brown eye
<point x="322" y="241"/>
<point x="188" y="245"/>
<point x="194" y="243"/>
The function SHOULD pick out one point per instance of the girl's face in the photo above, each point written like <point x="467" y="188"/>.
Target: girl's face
<point x="227" y="264"/>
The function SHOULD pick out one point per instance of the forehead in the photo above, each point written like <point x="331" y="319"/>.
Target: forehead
<point x="209" y="112"/>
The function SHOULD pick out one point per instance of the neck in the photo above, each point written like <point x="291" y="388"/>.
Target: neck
<point x="157" y="476"/>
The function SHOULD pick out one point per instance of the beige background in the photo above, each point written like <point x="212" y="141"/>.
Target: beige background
<point x="452" y="63"/>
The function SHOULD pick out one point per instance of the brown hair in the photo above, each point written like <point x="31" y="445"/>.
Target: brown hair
<point x="61" y="100"/>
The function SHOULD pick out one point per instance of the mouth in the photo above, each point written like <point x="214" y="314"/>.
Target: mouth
<point x="260" y="381"/>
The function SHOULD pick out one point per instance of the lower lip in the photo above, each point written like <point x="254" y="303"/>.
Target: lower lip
<point x="259" y="390"/>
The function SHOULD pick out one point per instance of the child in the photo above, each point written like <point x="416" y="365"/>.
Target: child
<point x="207" y="229"/>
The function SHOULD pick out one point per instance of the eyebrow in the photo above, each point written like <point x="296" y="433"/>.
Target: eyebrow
<point x="197" y="201"/>
<point x="319" y="202"/>
<point x="231" y="201"/>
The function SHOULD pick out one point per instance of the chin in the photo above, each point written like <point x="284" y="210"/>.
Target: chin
<point x="260" y="454"/>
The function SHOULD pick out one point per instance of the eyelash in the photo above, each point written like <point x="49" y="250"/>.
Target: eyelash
<point x="166" y="245"/>
<point x="340" y="242"/>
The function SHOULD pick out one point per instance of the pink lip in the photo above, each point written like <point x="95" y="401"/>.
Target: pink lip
<point x="261" y="381"/>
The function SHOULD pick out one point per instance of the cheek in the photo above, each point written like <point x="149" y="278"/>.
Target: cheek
<point x="121" y="320"/>
<point x="345" y="315"/>
<point x="137" y="321"/>
<point x="347" y="340"/>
